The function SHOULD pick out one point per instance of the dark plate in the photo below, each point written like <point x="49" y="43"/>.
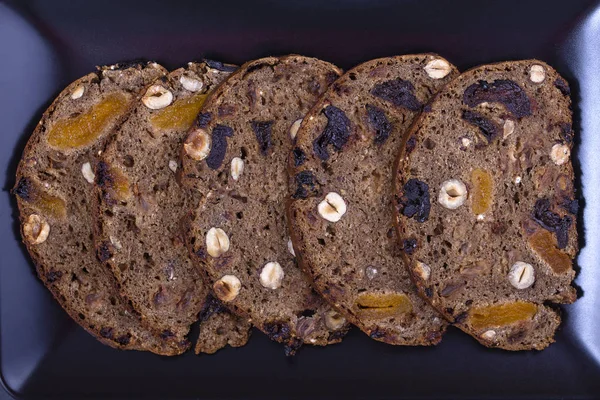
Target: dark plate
<point x="45" y="45"/>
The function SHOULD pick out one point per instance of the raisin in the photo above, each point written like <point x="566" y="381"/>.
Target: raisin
<point x="219" y="66"/>
<point x="290" y="348"/>
<point x="277" y="330"/>
<point x="299" y="156"/>
<point x="203" y="119"/>
<point x="106" y="332"/>
<point x="103" y="251"/>
<point x="336" y="336"/>
<point x="377" y="333"/>
<point x="166" y="334"/>
<point x="428" y="292"/>
<point x="53" y="276"/>
<point x="398" y="92"/>
<point x="552" y="222"/>
<point x="572" y="206"/>
<point x="218" y="149"/>
<point x="305" y="185"/>
<point x="566" y="131"/>
<point x="409" y="246"/>
<point x="262" y="130"/>
<point x="336" y="133"/>
<point x="124" y="339"/>
<point x="415" y="200"/>
<point x="28" y="191"/>
<point x="23" y="189"/>
<point x="503" y="91"/>
<point x="380" y="123"/>
<point x="410" y="145"/>
<point x="563" y="86"/>
<point x="487" y="128"/>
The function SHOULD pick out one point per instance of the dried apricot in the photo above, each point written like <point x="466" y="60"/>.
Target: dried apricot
<point x="376" y="305"/>
<point x="544" y="245"/>
<point x="31" y="193"/>
<point x="179" y="115"/>
<point x="501" y="314"/>
<point x="84" y="129"/>
<point x="482" y="192"/>
<point x="113" y="182"/>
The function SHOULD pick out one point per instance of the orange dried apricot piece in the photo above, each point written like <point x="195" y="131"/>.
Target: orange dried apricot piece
<point x="180" y="115"/>
<point x="501" y="314"/>
<point x="481" y="193"/>
<point x="84" y="129"/>
<point x="544" y="245"/>
<point x="377" y="305"/>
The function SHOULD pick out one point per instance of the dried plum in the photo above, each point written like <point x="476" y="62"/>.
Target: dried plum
<point x="292" y="347"/>
<point x="572" y="206"/>
<point x="203" y="119"/>
<point x="563" y="86"/>
<point x="106" y="332"/>
<point x="277" y="330"/>
<point x="502" y="91"/>
<point x="103" y="252"/>
<point x="487" y="128"/>
<point x="219" y="66"/>
<point x="552" y="222"/>
<point x="380" y="123"/>
<point x="212" y="306"/>
<point x="299" y="156"/>
<point x="23" y="189"/>
<point x="414" y="201"/>
<point x="124" y="339"/>
<point x="410" y="144"/>
<point x="218" y="149"/>
<point x="409" y="245"/>
<point x="53" y="276"/>
<point x="336" y="132"/>
<point x="306" y="185"/>
<point x="398" y="92"/>
<point x="262" y="130"/>
<point x="566" y="131"/>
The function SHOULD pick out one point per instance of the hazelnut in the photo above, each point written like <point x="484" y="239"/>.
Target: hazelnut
<point x="560" y="153"/>
<point x="332" y="208"/>
<point x="371" y="272"/>
<point x="489" y="334"/>
<point x="290" y="247"/>
<point x="191" y="84"/>
<point x="78" y="92"/>
<point x="509" y="128"/>
<point x="537" y="73"/>
<point x="36" y="229"/>
<point x="294" y="128"/>
<point x="334" y="320"/>
<point x="453" y="194"/>
<point x="465" y="142"/>
<point x="173" y="165"/>
<point x="197" y="144"/>
<point x="217" y="242"/>
<point x="115" y="242"/>
<point x="438" y="68"/>
<point x="422" y="270"/>
<point x="157" y="97"/>
<point x="521" y="275"/>
<point x="227" y="288"/>
<point x="237" y="167"/>
<point x="271" y="275"/>
<point x="88" y="173"/>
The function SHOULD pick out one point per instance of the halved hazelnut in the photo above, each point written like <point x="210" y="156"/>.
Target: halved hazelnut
<point x="294" y="128"/>
<point x="217" y="242"/>
<point x="521" y="275"/>
<point x="197" y="144"/>
<point x="36" y="229"/>
<point x="453" y="194"/>
<point x="157" y="97"/>
<point x="334" y="320"/>
<point x="227" y="288"/>
<point x="537" y="73"/>
<point x="78" y="92"/>
<point x="272" y="275"/>
<point x="560" y="153"/>
<point x="191" y="84"/>
<point x="332" y="208"/>
<point x="438" y="68"/>
<point x="237" y="168"/>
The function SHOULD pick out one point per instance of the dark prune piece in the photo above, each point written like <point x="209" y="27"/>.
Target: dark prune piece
<point x="23" y="189"/>
<point x="124" y="339"/>
<point x="398" y="92"/>
<point x="219" y="66"/>
<point x="566" y="131"/>
<point x="277" y="330"/>
<point x="502" y="91"/>
<point x="306" y="185"/>
<point x="460" y="318"/>
<point x="409" y="245"/>
<point x="212" y="306"/>
<point x="488" y="129"/>
<point x="218" y="148"/>
<point x="262" y="130"/>
<point x="336" y="132"/>
<point x="377" y="333"/>
<point x="572" y="206"/>
<point x="428" y="292"/>
<point x="380" y="123"/>
<point x="552" y="222"/>
<point x="410" y="144"/>
<point x="53" y="276"/>
<point x="292" y="347"/>
<point x="414" y="201"/>
<point x="106" y="332"/>
<point x="563" y="86"/>
<point x="203" y="119"/>
<point x="299" y="156"/>
<point x="166" y="334"/>
<point x="103" y="252"/>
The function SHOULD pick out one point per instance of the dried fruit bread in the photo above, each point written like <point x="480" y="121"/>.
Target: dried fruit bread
<point x="54" y="193"/>
<point x="235" y="157"/>
<point x="139" y="206"/>
<point x="340" y="208"/>
<point x="485" y="204"/>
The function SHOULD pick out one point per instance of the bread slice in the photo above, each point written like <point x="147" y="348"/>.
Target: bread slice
<point x="340" y="210"/>
<point x="54" y="191"/>
<point x="235" y="158"/>
<point x="140" y="204"/>
<point x="486" y="208"/>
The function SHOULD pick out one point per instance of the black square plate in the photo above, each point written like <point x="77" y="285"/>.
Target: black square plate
<point x="46" y="44"/>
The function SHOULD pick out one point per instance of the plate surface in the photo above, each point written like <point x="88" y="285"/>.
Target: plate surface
<point x="46" y="45"/>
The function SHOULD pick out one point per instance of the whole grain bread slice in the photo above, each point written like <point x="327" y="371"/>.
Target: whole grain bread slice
<point x="340" y="211"/>
<point x="485" y="205"/>
<point x="139" y="206"/>
<point x="54" y="194"/>
<point x="235" y="158"/>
